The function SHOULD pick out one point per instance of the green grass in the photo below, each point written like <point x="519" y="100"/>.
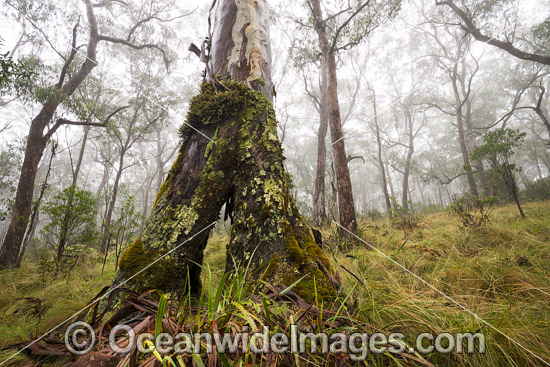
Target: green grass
<point x="477" y="268"/>
<point x="60" y="299"/>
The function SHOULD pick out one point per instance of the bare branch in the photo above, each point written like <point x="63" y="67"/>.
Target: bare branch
<point x="124" y="42"/>
<point x="507" y="46"/>
<point x="63" y="121"/>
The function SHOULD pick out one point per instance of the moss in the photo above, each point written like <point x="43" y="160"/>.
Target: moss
<point x="245" y="163"/>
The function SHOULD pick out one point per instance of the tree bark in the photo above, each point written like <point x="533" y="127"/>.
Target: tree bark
<point x="346" y="206"/>
<point x="36" y="143"/>
<point x="408" y="161"/>
<point x="241" y="167"/>
<point x="76" y="171"/>
<point x="11" y="247"/>
<point x="111" y="206"/>
<point x="461" y="132"/>
<point x="319" y="205"/>
<point x="387" y="199"/>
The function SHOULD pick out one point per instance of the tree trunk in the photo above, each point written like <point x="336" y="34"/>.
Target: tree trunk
<point x="10" y="250"/>
<point x="241" y="167"/>
<point x="380" y="159"/>
<point x="81" y="155"/>
<point x="31" y="228"/>
<point x="390" y="182"/>
<point x="110" y="208"/>
<point x="36" y="143"/>
<point x="478" y="164"/>
<point x="319" y="206"/>
<point x="407" y="169"/>
<point x="462" y="134"/>
<point x="346" y="206"/>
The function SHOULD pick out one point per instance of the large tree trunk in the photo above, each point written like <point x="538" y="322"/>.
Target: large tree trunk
<point x="241" y="167"/>
<point x="346" y="206"/>
<point x="319" y="206"/>
<point x="10" y="250"/>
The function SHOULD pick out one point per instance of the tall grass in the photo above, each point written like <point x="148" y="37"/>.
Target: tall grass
<point x="500" y="272"/>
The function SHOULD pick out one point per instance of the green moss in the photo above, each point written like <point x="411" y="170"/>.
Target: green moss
<point x="245" y="161"/>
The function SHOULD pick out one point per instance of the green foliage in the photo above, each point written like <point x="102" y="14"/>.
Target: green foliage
<point x="11" y="160"/>
<point x="70" y="229"/>
<point x="472" y="210"/>
<point x="403" y="216"/>
<point x="12" y="73"/>
<point x="537" y="190"/>
<point x="541" y="35"/>
<point x="499" y="148"/>
<point x="374" y="214"/>
<point x="124" y="227"/>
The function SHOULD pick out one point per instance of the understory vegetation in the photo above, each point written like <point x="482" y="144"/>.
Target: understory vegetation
<point x="499" y="270"/>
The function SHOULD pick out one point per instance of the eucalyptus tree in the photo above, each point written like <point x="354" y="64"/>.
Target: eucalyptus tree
<point x="455" y="60"/>
<point x="341" y="26"/>
<point x="230" y="155"/>
<point x="56" y="99"/>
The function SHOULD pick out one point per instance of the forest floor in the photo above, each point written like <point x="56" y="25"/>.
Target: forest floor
<point x="500" y="272"/>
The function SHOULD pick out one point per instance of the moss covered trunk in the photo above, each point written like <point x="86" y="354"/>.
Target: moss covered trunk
<point x="243" y="167"/>
<point x="230" y="154"/>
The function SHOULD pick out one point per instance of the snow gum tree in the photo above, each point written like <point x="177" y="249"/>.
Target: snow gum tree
<point x="230" y="155"/>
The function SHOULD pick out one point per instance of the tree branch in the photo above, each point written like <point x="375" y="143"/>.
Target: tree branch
<point x="507" y="46"/>
<point x="345" y="24"/>
<point x="63" y="121"/>
<point x="71" y="56"/>
<point x="124" y="42"/>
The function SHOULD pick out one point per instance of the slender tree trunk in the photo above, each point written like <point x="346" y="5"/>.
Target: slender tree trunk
<point x="9" y="253"/>
<point x="145" y="212"/>
<point x="243" y="169"/>
<point x="81" y="155"/>
<point x="471" y="144"/>
<point x="462" y="134"/>
<point x="421" y="189"/>
<point x="346" y="206"/>
<point x="440" y="196"/>
<point x="387" y="199"/>
<point x="319" y="206"/>
<point x="64" y="228"/>
<point x="408" y="161"/>
<point x="111" y="206"/>
<point x="390" y="182"/>
<point x="34" y="216"/>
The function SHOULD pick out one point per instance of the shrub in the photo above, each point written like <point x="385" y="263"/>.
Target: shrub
<point x="71" y="222"/>
<point x="537" y="190"/>
<point x="374" y="214"/>
<point x="472" y="210"/>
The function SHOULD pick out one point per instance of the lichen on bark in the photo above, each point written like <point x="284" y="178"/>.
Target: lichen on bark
<point x="242" y="165"/>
